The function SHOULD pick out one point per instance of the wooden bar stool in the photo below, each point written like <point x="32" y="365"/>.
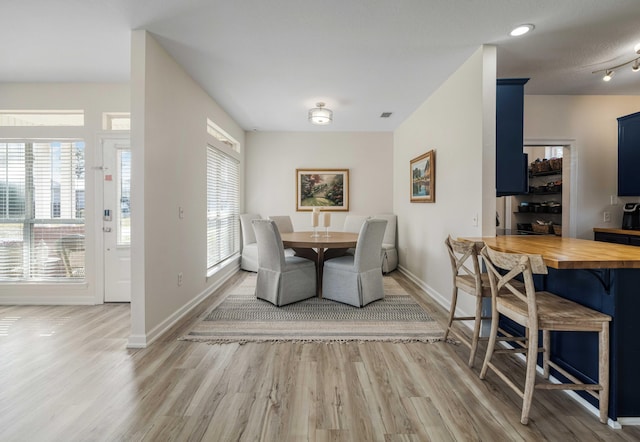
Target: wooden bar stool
<point x="545" y="312"/>
<point x="468" y="278"/>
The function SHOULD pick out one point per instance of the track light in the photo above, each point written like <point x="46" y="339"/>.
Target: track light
<point x="608" y="72"/>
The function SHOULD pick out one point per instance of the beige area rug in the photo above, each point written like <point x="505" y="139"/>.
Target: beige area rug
<point x="241" y="317"/>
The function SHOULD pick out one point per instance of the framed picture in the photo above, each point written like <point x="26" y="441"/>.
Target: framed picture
<point x="423" y="178"/>
<point x="325" y="188"/>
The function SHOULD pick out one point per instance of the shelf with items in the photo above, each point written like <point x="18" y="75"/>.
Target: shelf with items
<point x="539" y="212"/>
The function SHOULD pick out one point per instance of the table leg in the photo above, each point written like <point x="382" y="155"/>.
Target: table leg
<point x="319" y="266"/>
<point x="318" y="258"/>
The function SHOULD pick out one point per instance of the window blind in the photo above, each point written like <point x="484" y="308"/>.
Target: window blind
<point x="223" y="206"/>
<point x="42" y="202"/>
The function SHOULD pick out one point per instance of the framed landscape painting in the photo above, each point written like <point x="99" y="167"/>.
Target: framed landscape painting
<point x="325" y="188"/>
<point x="423" y="178"/>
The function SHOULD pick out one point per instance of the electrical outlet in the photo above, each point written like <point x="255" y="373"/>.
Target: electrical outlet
<point x="474" y="221"/>
<point x="613" y="200"/>
<point x="607" y="217"/>
<point x="180" y="278"/>
<point x="180" y="212"/>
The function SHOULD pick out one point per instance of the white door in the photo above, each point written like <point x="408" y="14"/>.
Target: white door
<point x="116" y="163"/>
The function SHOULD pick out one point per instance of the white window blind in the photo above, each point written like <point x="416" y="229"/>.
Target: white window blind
<point x="42" y="201"/>
<point x="223" y="206"/>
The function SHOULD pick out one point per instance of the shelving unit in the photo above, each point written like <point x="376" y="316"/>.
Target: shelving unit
<point x="535" y="198"/>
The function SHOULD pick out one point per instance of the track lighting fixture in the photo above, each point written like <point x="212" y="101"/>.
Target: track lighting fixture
<point x="608" y="72"/>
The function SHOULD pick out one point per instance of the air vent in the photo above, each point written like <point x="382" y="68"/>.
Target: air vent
<point x="385" y="114"/>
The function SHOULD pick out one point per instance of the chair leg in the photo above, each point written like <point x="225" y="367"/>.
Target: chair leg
<point x="530" y="379"/>
<point x="546" y="345"/>
<point x="476" y="331"/>
<point x="491" y="345"/>
<point x="603" y="372"/>
<point x="452" y="311"/>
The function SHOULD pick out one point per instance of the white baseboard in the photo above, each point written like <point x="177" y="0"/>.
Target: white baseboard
<point x="143" y="341"/>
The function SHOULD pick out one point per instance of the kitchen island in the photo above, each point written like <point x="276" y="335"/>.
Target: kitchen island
<point x="606" y="278"/>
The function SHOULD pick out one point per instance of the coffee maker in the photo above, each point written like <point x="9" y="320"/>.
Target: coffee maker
<point x="631" y="216"/>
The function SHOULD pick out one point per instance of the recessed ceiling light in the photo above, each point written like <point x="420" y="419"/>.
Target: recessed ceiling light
<point x="521" y="30"/>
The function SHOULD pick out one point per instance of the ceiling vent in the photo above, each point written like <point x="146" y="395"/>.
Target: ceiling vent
<point x="385" y="114"/>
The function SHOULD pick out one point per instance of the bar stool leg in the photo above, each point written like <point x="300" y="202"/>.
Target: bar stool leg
<point x="452" y="310"/>
<point x="530" y="380"/>
<point x="603" y="372"/>
<point x="476" y="331"/>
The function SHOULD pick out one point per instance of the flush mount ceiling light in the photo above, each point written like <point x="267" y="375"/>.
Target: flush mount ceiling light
<point x="521" y="30"/>
<point x="608" y="72"/>
<point x="320" y="115"/>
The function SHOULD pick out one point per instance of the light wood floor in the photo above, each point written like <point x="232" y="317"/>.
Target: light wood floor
<point x="65" y="375"/>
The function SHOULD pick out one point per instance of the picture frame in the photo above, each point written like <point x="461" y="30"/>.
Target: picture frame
<point x="422" y="177"/>
<point x="324" y="188"/>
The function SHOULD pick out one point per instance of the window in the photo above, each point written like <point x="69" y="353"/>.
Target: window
<point x="42" y="198"/>
<point x="124" y="196"/>
<point x="216" y="132"/>
<point x="223" y="206"/>
<point x="13" y="118"/>
<point x="553" y="151"/>
<point x="116" y="121"/>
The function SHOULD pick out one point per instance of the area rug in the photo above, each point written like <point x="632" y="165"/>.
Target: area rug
<point x="241" y="317"/>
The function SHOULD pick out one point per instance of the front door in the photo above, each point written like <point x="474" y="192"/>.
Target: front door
<point x="116" y="220"/>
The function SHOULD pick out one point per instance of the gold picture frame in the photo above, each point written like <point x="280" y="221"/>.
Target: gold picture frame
<point x="422" y="176"/>
<point x="324" y="188"/>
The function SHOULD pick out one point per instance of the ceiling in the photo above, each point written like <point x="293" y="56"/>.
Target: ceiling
<point x="266" y="62"/>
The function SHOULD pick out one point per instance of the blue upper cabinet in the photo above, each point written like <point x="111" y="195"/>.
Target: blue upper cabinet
<point x="511" y="162"/>
<point x="629" y="155"/>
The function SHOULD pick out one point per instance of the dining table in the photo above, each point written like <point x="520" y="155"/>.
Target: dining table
<point x="319" y="247"/>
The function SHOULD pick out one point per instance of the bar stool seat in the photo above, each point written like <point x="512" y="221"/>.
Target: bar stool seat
<point x="540" y="311"/>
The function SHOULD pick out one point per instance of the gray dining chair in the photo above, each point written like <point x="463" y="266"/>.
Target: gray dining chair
<point x="249" y="259"/>
<point x="353" y="224"/>
<point x="284" y="226"/>
<point x="389" y="250"/>
<point x="357" y="279"/>
<point x="282" y="279"/>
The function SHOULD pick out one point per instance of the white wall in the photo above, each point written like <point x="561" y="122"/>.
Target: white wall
<point x="169" y="140"/>
<point x="589" y="123"/>
<point x="458" y="122"/>
<point x="273" y="157"/>
<point x="94" y="99"/>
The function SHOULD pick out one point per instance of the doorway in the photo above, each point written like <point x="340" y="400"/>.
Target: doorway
<point x="116" y="219"/>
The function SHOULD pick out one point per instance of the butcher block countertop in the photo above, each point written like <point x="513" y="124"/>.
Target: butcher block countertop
<point x="568" y="253"/>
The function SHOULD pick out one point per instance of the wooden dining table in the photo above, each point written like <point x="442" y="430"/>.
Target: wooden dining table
<point x="319" y="248"/>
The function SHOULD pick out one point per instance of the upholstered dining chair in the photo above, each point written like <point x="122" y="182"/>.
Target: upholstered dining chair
<point x="389" y="250"/>
<point x="283" y="222"/>
<point x="281" y="279"/>
<point x="545" y="312"/>
<point x="353" y="224"/>
<point x="357" y="279"/>
<point x="249" y="259"/>
<point x="284" y="226"/>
